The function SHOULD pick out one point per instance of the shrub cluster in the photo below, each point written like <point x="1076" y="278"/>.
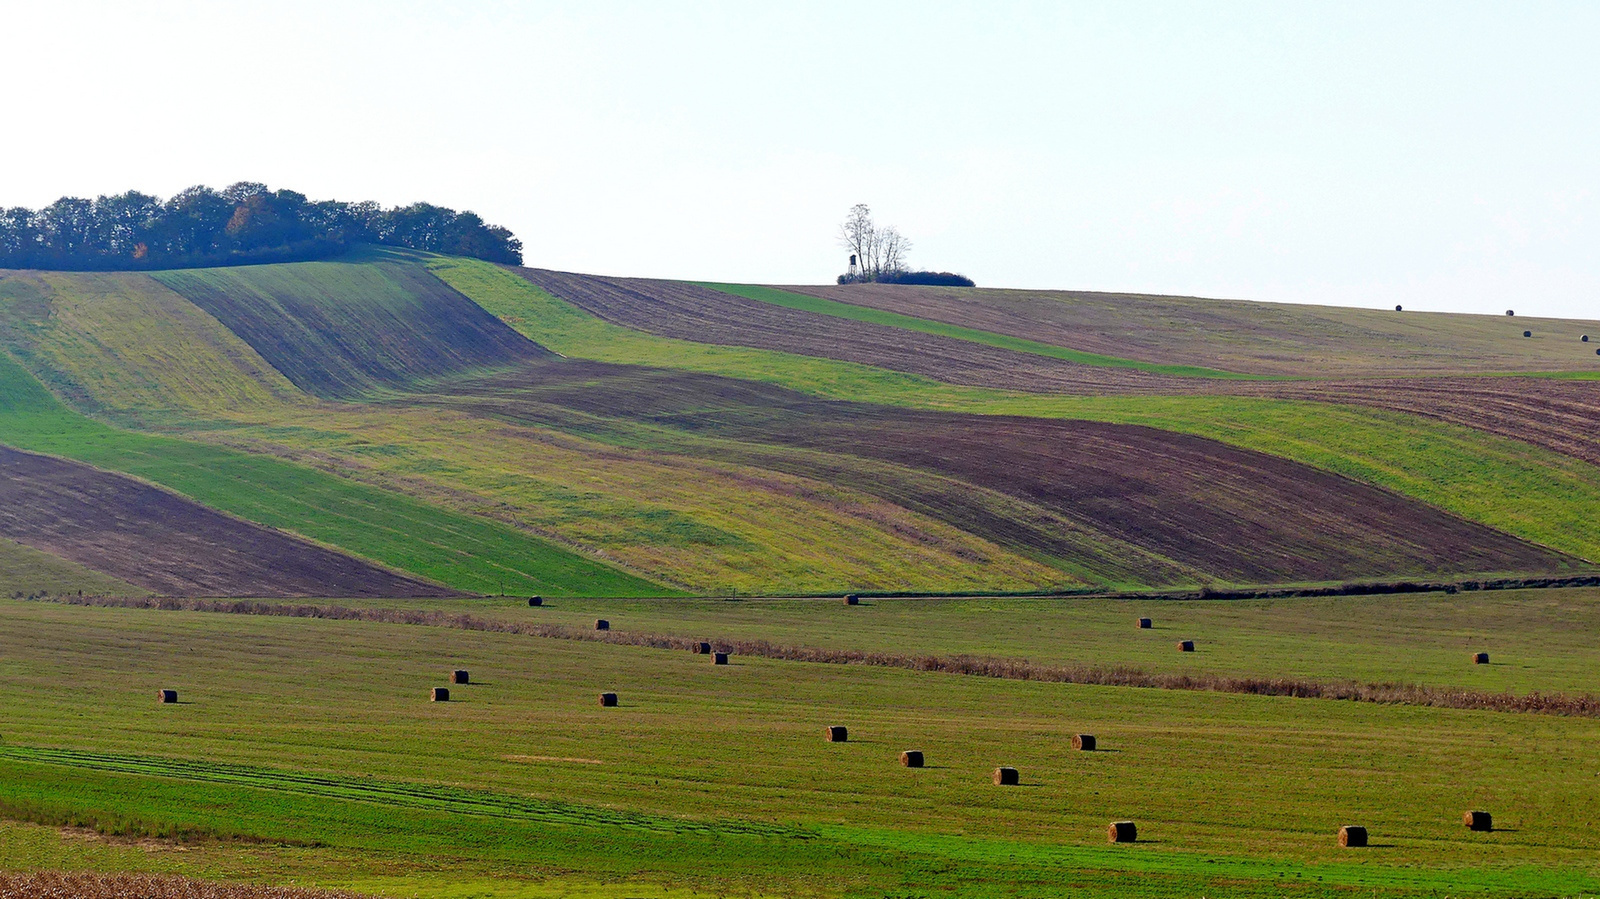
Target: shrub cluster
<point x="245" y="223"/>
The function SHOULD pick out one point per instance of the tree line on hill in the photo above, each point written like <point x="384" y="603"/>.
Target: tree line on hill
<point x="879" y="254"/>
<point x="241" y="224"/>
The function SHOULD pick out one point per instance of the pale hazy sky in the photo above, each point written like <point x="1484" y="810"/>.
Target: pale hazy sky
<point x="1440" y="155"/>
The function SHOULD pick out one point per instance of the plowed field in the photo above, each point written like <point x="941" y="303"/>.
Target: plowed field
<point x="170" y="545"/>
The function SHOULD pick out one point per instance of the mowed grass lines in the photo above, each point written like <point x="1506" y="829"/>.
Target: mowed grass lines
<point x="25" y="571"/>
<point x="1530" y="492"/>
<point x="703" y="753"/>
<point x="461" y="551"/>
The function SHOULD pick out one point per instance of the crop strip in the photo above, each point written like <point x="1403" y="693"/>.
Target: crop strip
<point x="1581" y="705"/>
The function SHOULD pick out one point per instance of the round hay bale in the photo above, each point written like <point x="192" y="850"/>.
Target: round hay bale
<point x="460" y="676"/>
<point x="852" y="600"/>
<point x="607" y="700"/>
<point x="439" y="694"/>
<point x="535" y="601"/>
<point x="1146" y="624"/>
<point x="1477" y="820"/>
<point x="1122" y="832"/>
<point x="1584" y="338"/>
<point x="1397" y="307"/>
<point x="702" y="649"/>
<point x="1527" y="333"/>
<point x="1006" y="777"/>
<point x="719" y="658"/>
<point x="1186" y="646"/>
<point x="838" y="733"/>
<point x="1352" y="836"/>
<point x="601" y="624"/>
<point x="1083" y="742"/>
<point x="1511" y="312"/>
<point x="1480" y="658"/>
<point x="911" y="758"/>
<point x="166" y="697"/>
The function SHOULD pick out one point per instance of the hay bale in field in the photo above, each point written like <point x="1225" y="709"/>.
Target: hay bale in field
<point x="838" y="733"/>
<point x="166" y="697"/>
<point x="1480" y="658"/>
<point x="1477" y="820"/>
<point x="535" y="601"/>
<point x="852" y="600"/>
<point x="1511" y="312"/>
<point x="1122" y="832"/>
<point x="1186" y="646"/>
<point x="1146" y="624"/>
<point x="439" y="694"/>
<point x="1397" y="307"/>
<point x="1527" y="333"/>
<point x="460" y="676"/>
<point x="702" y="649"/>
<point x="1352" y="836"/>
<point x="719" y="658"/>
<point x="1083" y="742"/>
<point x="600" y="624"/>
<point x="1584" y="338"/>
<point x="607" y="700"/>
<point x="1006" y="777"/>
<point x="911" y="758"/>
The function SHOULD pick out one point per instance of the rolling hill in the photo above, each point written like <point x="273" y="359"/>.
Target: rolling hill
<point x="453" y="425"/>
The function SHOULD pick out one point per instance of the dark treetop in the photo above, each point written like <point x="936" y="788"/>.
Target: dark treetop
<point x="241" y="224"/>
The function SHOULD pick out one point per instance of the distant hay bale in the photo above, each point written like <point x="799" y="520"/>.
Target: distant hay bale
<point x="439" y="694"/>
<point x="1352" y="836"/>
<point x="702" y="649"/>
<point x="719" y="658"/>
<point x="1511" y="312"/>
<point x="1145" y="624"/>
<point x="607" y="700"/>
<point x="1186" y="646"/>
<point x="1083" y="742"/>
<point x="601" y="624"/>
<point x="1527" y="333"/>
<point x="1122" y="832"/>
<point x="852" y="600"/>
<point x="1584" y="338"/>
<point x="1006" y="777"/>
<point x="535" y="601"/>
<point x="1477" y="820"/>
<point x="838" y="733"/>
<point x="1397" y="307"/>
<point x="911" y="758"/>
<point x="460" y="676"/>
<point x="1480" y="658"/>
<point x="166" y="697"/>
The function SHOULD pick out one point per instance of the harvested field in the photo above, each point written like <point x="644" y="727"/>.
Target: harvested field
<point x="62" y="885"/>
<point x="1236" y="335"/>
<point x="338" y="329"/>
<point x="700" y="314"/>
<point x="165" y="543"/>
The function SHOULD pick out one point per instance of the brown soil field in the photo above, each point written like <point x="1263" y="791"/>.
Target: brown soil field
<point x="690" y="312"/>
<point x="1238" y="335"/>
<point x="62" y="885"/>
<point x="168" y="544"/>
<point x="1186" y="502"/>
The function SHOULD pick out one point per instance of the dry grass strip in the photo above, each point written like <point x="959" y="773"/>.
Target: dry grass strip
<point x="59" y="885"/>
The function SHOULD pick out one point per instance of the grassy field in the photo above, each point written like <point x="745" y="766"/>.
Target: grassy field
<point x="25" y="571"/>
<point x="306" y="749"/>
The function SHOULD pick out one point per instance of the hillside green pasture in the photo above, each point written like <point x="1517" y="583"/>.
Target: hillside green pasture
<point x="462" y="551"/>
<point x="25" y="571"/>
<point x="1521" y="489"/>
<point x="307" y="749"/>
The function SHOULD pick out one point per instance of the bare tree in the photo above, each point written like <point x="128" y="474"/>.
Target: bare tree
<point x="892" y="249"/>
<point x="877" y="250"/>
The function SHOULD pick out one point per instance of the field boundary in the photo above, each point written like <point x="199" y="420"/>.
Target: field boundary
<point x="1575" y="705"/>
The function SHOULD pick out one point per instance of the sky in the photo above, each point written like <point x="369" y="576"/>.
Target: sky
<point x="1444" y="156"/>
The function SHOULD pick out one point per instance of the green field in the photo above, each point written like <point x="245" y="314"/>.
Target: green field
<point x="306" y="749"/>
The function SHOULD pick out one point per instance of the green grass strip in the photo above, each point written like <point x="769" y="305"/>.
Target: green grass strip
<point x="804" y="303"/>
<point x="462" y="551"/>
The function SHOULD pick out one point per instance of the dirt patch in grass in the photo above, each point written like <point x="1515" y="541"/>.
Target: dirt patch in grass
<point x="168" y="544"/>
<point x="85" y="885"/>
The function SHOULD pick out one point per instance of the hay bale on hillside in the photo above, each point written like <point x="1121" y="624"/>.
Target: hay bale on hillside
<point x="1477" y="820"/>
<point x="838" y="733"/>
<point x="1352" y="836"/>
<point x="1397" y="307"/>
<point x="719" y="658"/>
<point x="1083" y="742"/>
<point x="852" y="600"/>
<point x="607" y="700"/>
<point x="1527" y="333"/>
<point x="439" y="694"/>
<point x="702" y="649"/>
<point x="535" y="601"/>
<point x="1006" y="777"/>
<point x="1186" y="646"/>
<point x="601" y="624"/>
<point x="1146" y="624"/>
<point x="460" y="676"/>
<point x="1511" y="312"/>
<point x="166" y="697"/>
<point x="1584" y="338"/>
<point x="1122" y="832"/>
<point x="1480" y="658"/>
<point x="911" y="758"/>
